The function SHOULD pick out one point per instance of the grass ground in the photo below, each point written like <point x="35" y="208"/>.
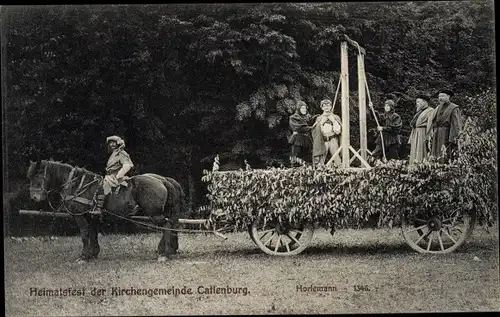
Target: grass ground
<point x="398" y="279"/>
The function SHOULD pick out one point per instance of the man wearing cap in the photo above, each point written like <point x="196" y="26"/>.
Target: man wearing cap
<point x="119" y="163"/>
<point x="391" y="126"/>
<point x="419" y="129"/>
<point x="445" y="126"/>
<point x="326" y="132"/>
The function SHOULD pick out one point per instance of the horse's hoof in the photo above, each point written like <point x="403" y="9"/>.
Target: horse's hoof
<point x="81" y="261"/>
<point x="162" y="259"/>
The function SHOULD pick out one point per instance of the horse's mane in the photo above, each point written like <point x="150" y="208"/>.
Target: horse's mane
<point x="59" y="164"/>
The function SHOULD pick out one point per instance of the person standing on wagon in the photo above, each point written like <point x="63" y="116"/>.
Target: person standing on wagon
<point x="326" y="132"/>
<point x="119" y="164"/>
<point x="419" y="130"/>
<point x="391" y="132"/>
<point x="300" y="139"/>
<point x="445" y="126"/>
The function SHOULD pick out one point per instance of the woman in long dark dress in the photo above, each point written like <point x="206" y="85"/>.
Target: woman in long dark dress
<point x="300" y="140"/>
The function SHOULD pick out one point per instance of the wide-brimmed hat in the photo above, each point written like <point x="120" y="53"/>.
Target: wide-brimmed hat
<point x="449" y="92"/>
<point x="424" y="96"/>
<point x="115" y="138"/>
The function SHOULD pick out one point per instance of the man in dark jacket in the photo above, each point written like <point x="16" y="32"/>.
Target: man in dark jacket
<point x="446" y="124"/>
<point x="391" y="126"/>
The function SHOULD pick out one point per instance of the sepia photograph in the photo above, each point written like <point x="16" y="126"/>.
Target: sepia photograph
<point x="249" y="158"/>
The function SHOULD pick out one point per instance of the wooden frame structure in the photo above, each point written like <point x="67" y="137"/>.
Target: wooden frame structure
<point x="345" y="144"/>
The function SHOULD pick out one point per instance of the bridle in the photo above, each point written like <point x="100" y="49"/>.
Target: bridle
<point x="42" y="188"/>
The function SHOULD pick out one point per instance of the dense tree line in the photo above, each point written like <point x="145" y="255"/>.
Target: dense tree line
<point x="184" y="82"/>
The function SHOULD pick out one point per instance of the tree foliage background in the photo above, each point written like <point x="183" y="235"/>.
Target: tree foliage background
<point x="184" y="82"/>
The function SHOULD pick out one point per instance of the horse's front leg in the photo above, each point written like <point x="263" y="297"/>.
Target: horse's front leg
<point x="83" y="225"/>
<point x="93" y="237"/>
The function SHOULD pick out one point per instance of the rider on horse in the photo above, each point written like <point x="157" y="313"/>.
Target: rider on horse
<point x="119" y="163"/>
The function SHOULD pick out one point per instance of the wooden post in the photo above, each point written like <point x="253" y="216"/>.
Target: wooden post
<point x="361" y="155"/>
<point x="362" y="106"/>
<point x="344" y="77"/>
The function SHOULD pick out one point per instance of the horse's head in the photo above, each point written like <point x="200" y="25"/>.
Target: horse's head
<point x="39" y="180"/>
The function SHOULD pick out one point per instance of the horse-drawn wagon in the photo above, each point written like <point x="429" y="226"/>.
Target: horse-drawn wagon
<point x="281" y="208"/>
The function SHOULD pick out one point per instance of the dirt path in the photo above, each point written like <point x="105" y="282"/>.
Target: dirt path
<point x="362" y="271"/>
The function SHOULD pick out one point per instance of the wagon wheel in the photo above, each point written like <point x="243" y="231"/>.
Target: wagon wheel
<point x="438" y="235"/>
<point x="297" y="235"/>
<point x="426" y="239"/>
<point x="280" y="239"/>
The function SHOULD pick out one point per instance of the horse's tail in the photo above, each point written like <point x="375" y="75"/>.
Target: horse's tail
<point x="183" y="202"/>
<point x="181" y="196"/>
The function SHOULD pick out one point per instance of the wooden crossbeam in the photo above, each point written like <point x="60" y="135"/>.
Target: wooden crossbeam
<point x="362" y="160"/>
<point x="355" y="157"/>
<point x="355" y="44"/>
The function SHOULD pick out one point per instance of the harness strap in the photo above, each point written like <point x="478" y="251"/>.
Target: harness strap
<point x="81" y="200"/>
<point x="70" y="178"/>
<point x="81" y="183"/>
<point x="45" y="172"/>
<point x="76" y="197"/>
<point x="73" y="197"/>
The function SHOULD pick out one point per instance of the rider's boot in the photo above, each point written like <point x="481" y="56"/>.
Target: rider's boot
<point x="99" y="205"/>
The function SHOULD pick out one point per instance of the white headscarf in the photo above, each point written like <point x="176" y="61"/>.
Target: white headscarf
<point x="119" y="141"/>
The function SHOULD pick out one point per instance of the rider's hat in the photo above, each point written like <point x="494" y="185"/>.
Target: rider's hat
<point x="115" y="138"/>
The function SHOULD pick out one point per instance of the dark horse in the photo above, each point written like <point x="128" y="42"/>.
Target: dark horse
<point x="160" y="198"/>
